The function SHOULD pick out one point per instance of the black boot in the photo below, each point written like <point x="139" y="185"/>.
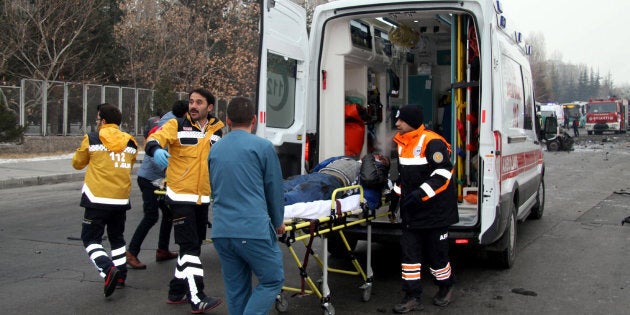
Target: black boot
<point x="444" y="296"/>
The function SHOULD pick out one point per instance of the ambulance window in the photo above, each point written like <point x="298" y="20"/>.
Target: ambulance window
<point x="280" y="91"/>
<point x="528" y="122"/>
<point x="382" y="43"/>
<point x="360" y="33"/>
<point x="512" y="94"/>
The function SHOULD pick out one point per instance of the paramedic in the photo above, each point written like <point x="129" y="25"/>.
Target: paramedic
<point x="151" y="177"/>
<point x="109" y="155"/>
<point x="247" y="209"/>
<point x="188" y="192"/>
<point x="428" y="206"/>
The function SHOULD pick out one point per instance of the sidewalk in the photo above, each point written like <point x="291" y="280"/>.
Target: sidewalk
<point x="42" y="171"/>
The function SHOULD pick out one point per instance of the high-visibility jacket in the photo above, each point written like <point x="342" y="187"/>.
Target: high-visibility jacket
<point x="428" y="196"/>
<point x="187" y="177"/>
<point x="109" y="155"/>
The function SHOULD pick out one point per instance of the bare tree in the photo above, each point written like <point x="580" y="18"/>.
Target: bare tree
<point x="191" y="43"/>
<point x="161" y="41"/>
<point x="540" y="67"/>
<point x="11" y="34"/>
<point x="50" y="36"/>
<point x="232" y="47"/>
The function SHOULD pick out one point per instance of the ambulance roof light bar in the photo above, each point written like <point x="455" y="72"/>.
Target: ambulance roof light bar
<point x="498" y="7"/>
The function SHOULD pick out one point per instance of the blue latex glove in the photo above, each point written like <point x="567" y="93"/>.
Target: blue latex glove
<point x="160" y="156"/>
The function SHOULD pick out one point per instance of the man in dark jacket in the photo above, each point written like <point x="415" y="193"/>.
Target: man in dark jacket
<point x="428" y="206"/>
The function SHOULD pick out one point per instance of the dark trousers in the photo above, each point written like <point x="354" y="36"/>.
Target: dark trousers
<point x="190" y="222"/>
<point x="95" y="221"/>
<point x="309" y="187"/>
<point x="150" y="205"/>
<point x="429" y="246"/>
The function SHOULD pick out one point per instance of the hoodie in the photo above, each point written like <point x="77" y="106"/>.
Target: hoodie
<point x="109" y="155"/>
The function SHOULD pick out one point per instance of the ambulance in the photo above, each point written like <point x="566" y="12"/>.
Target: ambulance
<point x="462" y="61"/>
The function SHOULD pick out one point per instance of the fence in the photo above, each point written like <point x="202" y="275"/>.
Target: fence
<point x="56" y="108"/>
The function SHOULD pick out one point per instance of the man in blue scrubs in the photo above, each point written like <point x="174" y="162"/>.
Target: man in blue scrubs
<point x="248" y="210"/>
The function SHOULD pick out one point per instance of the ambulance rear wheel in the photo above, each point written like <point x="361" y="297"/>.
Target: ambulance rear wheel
<point x="539" y="207"/>
<point x="505" y="258"/>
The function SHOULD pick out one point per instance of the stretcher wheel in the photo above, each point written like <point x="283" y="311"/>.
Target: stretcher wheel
<point x="366" y="294"/>
<point x="329" y="309"/>
<point x="282" y="303"/>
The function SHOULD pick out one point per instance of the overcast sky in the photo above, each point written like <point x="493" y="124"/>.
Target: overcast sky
<point x="595" y="33"/>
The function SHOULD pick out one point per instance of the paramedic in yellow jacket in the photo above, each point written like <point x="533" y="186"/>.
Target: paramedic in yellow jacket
<point x="109" y="155"/>
<point x="428" y="206"/>
<point x="188" y="141"/>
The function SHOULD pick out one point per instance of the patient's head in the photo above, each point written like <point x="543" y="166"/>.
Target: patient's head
<point x="374" y="170"/>
<point x="382" y="159"/>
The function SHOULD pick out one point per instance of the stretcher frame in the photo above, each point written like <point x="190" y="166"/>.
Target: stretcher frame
<point x="335" y="222"/>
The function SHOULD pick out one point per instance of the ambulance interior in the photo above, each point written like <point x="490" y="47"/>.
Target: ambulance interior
<point x="429" y="58"/>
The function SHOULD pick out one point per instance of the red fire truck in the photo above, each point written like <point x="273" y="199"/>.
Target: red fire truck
<point x="606" y="115"/>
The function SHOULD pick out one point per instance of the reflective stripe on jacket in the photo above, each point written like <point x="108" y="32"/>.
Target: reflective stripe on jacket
<point x="187" y="177"/>
<point x="428" y="196"/>
<point x="109" y="155"/>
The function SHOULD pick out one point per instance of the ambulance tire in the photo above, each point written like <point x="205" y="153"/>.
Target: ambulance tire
<point x="504" y="259"/>
<point x="336" y="248"/>
<point x="539" y="207"/>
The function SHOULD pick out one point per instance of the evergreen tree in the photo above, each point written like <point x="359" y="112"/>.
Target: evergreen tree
<point x="10" y="130"/>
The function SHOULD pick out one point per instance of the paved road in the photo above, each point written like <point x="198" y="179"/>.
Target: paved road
<point x="575" y="259"/>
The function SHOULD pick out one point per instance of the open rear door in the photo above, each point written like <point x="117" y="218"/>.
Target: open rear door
<point x="282" y="81"/>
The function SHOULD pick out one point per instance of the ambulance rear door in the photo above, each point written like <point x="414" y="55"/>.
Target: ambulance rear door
<point x="283" y="73"/>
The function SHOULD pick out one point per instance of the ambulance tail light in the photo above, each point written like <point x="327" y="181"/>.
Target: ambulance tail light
<point x="307" y="147"/>
<point x="497" y="162"/>
<point x="497" y="143"/>
<point x="462" y="241"/>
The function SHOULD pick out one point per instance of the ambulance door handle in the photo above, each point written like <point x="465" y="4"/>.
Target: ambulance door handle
<point x="515" y="139"/>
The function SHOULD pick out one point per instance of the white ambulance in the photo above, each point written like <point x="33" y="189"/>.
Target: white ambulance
<point x="460" y="60"/>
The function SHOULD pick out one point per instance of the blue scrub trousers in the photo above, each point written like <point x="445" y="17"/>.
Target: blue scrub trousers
<point x="239" y="258"/>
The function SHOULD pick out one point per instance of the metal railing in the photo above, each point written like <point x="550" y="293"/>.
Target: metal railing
<point x="57" y="108"/>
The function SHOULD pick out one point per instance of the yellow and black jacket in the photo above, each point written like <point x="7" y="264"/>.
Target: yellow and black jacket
<point x="109" y="155"/>
<point x="428" y="198"/>
<point x="187" y="172"/>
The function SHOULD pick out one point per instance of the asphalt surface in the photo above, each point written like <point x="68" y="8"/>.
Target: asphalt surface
<point x="574" y="259"/>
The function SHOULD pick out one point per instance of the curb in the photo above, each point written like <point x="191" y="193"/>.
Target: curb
<point x="40" y="180"/>
<point x="46" y="180"/>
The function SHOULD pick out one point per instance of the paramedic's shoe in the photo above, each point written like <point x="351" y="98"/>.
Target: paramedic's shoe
<point x="175" y="299"/>
<point x="205" y="305"/>
<point x="163" y="254"/>
<point x="111" y="280"/>
<point x="120" y="284"/>
<point x="133" y="262"/>
<point x="408" y="304"/>
<point x="444" y="296"/>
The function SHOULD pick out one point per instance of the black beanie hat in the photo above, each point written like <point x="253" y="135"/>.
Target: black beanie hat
<point x="411" y="114"/>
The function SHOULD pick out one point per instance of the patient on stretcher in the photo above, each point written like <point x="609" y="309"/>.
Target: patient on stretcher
<point x="371" y="172"/>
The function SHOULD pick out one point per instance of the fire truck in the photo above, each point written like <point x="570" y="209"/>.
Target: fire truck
<point x="606" y="115"/>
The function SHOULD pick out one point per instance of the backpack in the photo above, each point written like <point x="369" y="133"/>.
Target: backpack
<point x="373" y="173"/>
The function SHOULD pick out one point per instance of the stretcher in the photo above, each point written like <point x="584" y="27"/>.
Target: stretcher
<point x="318" y="219"/>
